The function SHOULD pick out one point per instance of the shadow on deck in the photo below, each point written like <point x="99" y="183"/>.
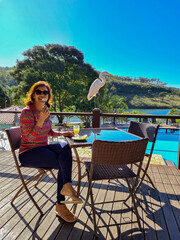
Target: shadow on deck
<point x="160" y="212"/>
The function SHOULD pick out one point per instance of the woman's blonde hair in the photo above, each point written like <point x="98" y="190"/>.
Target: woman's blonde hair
<point x="29" y="99"/>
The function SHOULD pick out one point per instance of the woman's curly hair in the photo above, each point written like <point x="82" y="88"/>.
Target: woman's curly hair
<point x="30" y="100"/>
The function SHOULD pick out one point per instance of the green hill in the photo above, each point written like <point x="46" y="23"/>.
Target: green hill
<point x="144" y="93"/>
<point x="139" y="92"/>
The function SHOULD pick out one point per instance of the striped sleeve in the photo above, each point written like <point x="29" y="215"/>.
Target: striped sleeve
<point x="29" y="130"/>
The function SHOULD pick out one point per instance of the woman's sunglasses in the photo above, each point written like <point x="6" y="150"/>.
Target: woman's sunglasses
<point x="39" y="92"/>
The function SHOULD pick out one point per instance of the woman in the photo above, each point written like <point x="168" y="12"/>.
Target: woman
<point x="35" y="151"/>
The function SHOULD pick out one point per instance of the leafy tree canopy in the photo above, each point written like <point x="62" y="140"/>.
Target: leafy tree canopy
<point x="63" y="67"/>
<point x="6" y="80"/>
<point x="173" y="111"/>
<point x="4" y="99"/>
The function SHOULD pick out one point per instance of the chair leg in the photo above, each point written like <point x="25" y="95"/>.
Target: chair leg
<point x="87" y="197"/>
<point x="28" y="192"/>
<point x="134" y="203"/>
<point x="24" y="183"/>
<point x="42" y="175"/>
<point x="17" y="194"/>
<point x="53" y="175"/>
<point x="36" y="205"/>
<point x="127" y="198"/>
<point x="130" y="194"/>
<point x="136" y="211"/>
<point x="150" y="180"/>
<point x="93" y="211"/>
<point x="137" y="199"/>
<point x="88" y="192"/>
<point x="45" y="172"/>
<point x="146" y="174"/>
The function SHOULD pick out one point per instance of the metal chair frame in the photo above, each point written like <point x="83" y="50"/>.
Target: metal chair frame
<point x="14" y="137"/>
<point x="145" y="130"/>
<point x="110" y="161"/>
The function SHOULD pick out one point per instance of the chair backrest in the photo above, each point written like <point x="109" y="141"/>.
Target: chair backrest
<point x="116" y="153"/>
<point x="144" y="130"/>
<point x="14" y="137"/>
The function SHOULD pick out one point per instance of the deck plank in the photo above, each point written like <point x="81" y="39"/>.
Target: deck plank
<point x="160" y="207"/>
<point x="167" y="209"/>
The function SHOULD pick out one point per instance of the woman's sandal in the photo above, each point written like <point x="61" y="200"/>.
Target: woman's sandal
<point x="63" y="212"/>
<point x="75" y="200"/>
<point x="70" y="193"/>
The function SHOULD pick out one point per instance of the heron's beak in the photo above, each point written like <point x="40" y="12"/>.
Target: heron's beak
<point x="110" y="74"/>
<point x="89" y="97"/>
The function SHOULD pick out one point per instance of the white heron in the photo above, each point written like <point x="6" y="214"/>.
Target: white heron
<point x="96" y="85"/>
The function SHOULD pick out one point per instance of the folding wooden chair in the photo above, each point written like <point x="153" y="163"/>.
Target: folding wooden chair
<point x="145" y="130"/>
<point x="14" y="137"/>
<point x="109" y="161"/>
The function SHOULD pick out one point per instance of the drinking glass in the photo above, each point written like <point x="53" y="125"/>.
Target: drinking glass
<point x="76" y="129"/>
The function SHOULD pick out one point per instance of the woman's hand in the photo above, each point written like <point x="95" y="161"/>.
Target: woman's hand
<point x="67" y="134"/>
<point x="42" y="116"/>
<point x="44" y="113"/>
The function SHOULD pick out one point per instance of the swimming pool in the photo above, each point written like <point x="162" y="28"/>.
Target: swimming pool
<point x="167" y="143"/>
<point x="4" y="126"/>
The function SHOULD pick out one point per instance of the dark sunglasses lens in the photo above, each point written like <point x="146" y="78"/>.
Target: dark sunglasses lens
<point x="39" y="92"/>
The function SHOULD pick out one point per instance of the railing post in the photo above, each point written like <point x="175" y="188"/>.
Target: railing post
<point x="96" y="118"/>
<point x="178" y="164"/>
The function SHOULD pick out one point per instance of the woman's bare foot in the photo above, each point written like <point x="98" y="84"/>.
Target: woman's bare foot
<point x="68" y="190"/>
<point x="63" y="212"/>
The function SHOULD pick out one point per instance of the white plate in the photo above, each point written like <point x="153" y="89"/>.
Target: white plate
<point x="80" y="138"/>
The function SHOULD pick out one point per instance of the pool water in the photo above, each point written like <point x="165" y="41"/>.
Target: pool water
<point x="167" y="144"/>
<point x="4" y="126"/>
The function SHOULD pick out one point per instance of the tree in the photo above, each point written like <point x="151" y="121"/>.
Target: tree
<point x="115" y="103"/>
<point x="173" y="111"/>
<point x="4" y="99"/>
<point x="5" y="77"/>
<point x="143" y="80"/>
<point x="63" y="67"/>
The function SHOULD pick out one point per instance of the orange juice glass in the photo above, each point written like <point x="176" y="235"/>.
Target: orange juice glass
<point x="76" y="129"/>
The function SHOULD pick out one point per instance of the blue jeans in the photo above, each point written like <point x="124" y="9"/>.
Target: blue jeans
<point x="56" y="156"/>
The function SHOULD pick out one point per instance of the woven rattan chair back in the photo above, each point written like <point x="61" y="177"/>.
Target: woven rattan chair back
<point x="115" y="153"/>
<point x="14" y="137"/>
<point x="145" y="130"/>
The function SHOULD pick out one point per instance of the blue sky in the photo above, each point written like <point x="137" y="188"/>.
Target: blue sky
<point x="137" y="38"/>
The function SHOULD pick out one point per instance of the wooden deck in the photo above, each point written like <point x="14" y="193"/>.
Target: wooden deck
<point x="160" y="212"/>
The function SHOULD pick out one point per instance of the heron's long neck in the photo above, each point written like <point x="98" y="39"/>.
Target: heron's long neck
<point x="103" y="80"/>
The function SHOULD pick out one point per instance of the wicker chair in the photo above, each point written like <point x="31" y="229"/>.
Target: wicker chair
<point x="109" y="161"/>
<point x="145" y="130"/>
<point x="14" y="137"/>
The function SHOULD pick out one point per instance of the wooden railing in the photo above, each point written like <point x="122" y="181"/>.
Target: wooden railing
<point x="96" y="119"/>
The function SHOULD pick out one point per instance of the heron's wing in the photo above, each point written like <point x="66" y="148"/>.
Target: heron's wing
<point x="94" y="88"/>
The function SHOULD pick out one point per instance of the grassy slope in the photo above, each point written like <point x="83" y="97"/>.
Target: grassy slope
<point x="138" y="95"/>
<point x="144" y="95"/>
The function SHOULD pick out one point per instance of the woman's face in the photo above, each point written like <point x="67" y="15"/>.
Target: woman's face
<point x="41" y="94"/>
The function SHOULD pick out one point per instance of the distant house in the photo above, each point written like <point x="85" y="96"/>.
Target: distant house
<point x="10" y="118"/>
